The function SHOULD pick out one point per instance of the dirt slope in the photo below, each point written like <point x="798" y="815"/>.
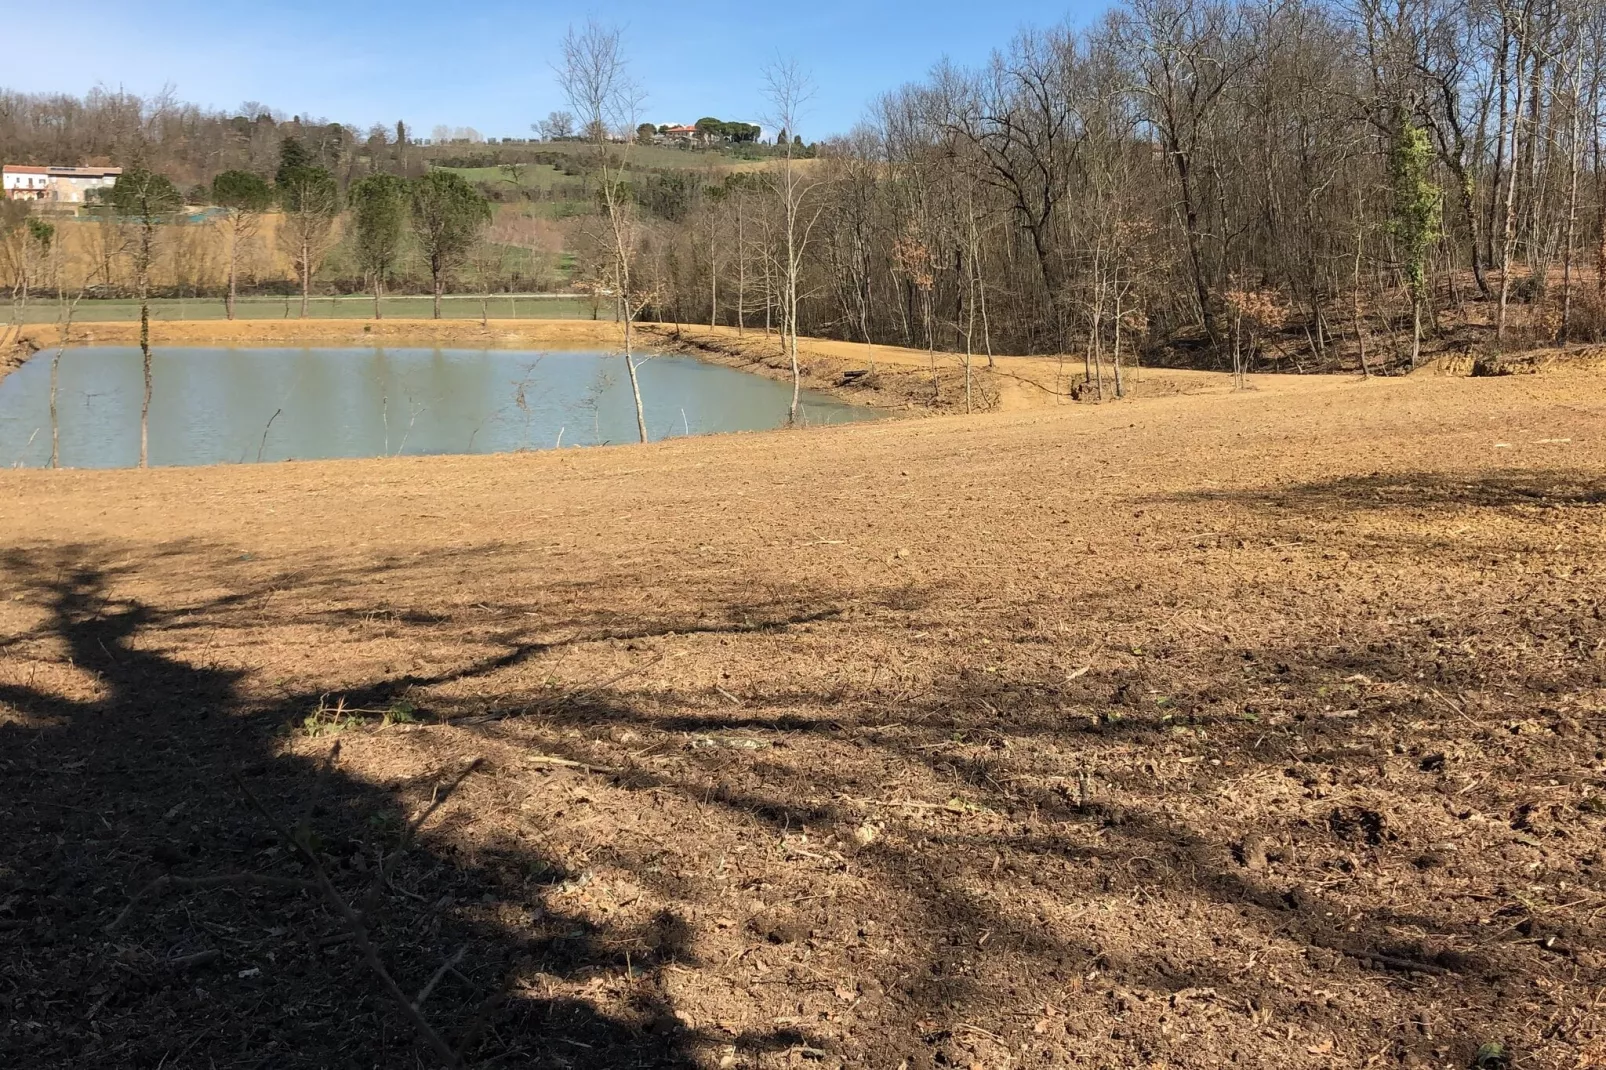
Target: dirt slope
<point x="1262" y="729"/>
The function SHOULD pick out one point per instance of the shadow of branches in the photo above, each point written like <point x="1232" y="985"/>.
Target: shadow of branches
<point x="737" y="826"/>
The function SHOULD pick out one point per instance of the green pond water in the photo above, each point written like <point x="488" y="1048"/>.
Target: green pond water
<point x="226" y="405"/>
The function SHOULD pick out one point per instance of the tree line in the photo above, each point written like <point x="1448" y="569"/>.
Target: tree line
<point x="1315" y="183"/>
<point x="1310" y="182"/>
<point x="188" y="143"/>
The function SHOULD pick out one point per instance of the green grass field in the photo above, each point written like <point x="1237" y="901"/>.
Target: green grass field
<point x="457" y="306"/>
<point x="668" y="157"/>
<point x="535" y="176"/>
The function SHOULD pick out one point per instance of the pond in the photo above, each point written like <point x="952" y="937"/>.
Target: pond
<point x="217" y="405"/>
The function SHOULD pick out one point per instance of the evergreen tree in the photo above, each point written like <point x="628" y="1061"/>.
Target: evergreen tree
<point x="147" y="200"/>
<point x="292" y="157"/>
<point x="379" y="206"/>
<point x="244" y="196"/>
<point x="448" y="216"/>
<point x="311" y="202"/>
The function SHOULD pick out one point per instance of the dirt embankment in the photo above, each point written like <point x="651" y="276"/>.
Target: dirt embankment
<point x="499" y="334"/>
<point x="882" y="376"/>
<point x="917" y="381"/>
<point x="15" y="348"/>
<point x="1259" y="729"/>
<point x="887" y="377"/>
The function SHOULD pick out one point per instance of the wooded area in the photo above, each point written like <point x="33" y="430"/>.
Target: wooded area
<point x="1206" y="173"/>
<point x="1307" y="185"/>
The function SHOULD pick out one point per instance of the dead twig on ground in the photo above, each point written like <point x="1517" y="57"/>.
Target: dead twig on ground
<point x="551" y="759"/>
<point x="161" y="884"/>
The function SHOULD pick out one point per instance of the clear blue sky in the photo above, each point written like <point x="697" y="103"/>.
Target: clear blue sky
<point x="488" y="64"/>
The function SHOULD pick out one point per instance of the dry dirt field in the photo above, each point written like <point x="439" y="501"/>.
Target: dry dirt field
<point x="1261" y="729"/>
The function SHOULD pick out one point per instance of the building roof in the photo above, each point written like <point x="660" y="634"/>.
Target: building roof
<point x="62" y="172"/>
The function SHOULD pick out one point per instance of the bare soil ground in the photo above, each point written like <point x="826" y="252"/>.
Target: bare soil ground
<point x="1260" y="729"/>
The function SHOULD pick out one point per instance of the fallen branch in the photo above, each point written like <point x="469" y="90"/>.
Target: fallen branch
<point x="551" y="759"/>
<point x="435" y="978"/>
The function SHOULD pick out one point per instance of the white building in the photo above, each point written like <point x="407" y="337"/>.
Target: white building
<point x="62" y="185"/>
<point x="19" y="183"/>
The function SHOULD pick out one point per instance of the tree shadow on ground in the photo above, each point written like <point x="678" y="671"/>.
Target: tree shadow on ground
<point x="970" y="820"/>
<point x="1546" y="488"/>
<point x="145" y="767"/>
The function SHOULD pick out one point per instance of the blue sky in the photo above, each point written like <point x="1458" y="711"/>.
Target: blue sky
<point x="488" y="64"/>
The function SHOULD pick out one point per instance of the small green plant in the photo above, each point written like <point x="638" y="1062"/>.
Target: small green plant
<point x="400" y="712"/>
<point x="329" y="720"/>
<point x="1491" y="1056"/>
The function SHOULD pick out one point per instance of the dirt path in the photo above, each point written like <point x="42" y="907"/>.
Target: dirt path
<point x="1261" y="729"/>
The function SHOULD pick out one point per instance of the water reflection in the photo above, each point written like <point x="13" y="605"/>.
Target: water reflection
<point x="240" y="405"/>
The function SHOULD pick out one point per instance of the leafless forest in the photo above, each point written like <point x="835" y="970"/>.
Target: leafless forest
<point x="1302" y="184"/>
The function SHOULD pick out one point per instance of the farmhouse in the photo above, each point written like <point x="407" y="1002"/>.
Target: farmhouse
<point x="24" y="183"/>
<point x="64" y="185"/>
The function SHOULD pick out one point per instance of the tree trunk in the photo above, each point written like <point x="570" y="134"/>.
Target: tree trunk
<point x="635" y="384"/>
<point x="1115" y="358"/>
<point x="1574" y="146"/>
<point x="797" y="378"/>
<point x="145" y="361"/>
<point x="306" y="275"/>
<point x="1416" y="332"/>
<point x="1508" y="232"/>
<point x="379" y="284"/>
<point x="741" y="271"/>
<point x="981" y="302"/>
<point x="146" y="239"/>
<point x="234" y="259"/>
<point x="1190" y="212"/>
<point x="931" y="344"/>
<point x="436" y="287"/>
<point x="55" y="427"/>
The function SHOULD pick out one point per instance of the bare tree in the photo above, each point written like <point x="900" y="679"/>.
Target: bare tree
<point x="595" y="77"/>
<point x="147" y="200"/>
<point x="557" y="125"/>
<point x="789" y="90"/>
<point x="1186" y="54"/>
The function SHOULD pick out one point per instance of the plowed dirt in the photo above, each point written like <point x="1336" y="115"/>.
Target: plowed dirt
<point x="1261" y="729"/>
